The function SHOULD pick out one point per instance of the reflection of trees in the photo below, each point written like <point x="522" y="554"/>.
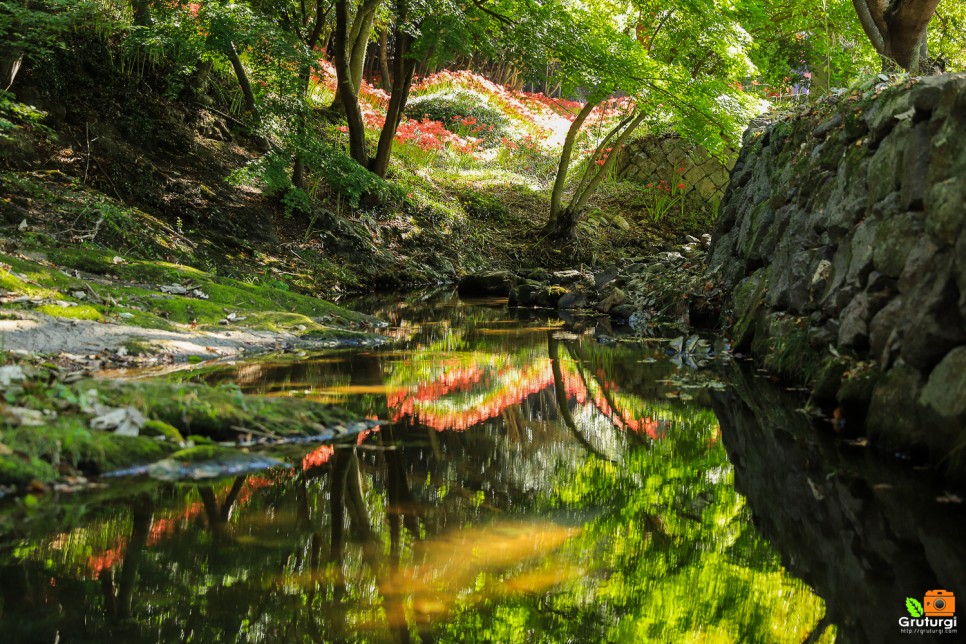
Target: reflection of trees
<point x="118" y="605"/>
<point x="426" y="534"/>
<point x="563" y="406"/>
<point x="218" y="514"/>
<point x="672" y="555"/>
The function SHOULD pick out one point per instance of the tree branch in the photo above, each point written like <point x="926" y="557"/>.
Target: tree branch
<point x="870" y="25"/>
<point x="499" y="16"/>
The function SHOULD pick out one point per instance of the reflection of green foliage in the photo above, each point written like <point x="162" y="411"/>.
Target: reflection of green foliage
<point x="657" y="546"/>
<point x="673" y="557"/>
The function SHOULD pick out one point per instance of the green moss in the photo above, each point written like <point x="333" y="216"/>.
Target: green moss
<point x="267" y="305"/>
<point x="70" y="441"/>
<point x="828" y="378"/>
<point x="789" y="353"/>
<point x="18" y="471"/>
<point x="202" y="453"/>
<point x="89" y="260"/>
<point x="161" y="428"/>
<point x="12" y="283"/>
<point x="749" y="298"/>
<point x="138" y="347"/>
<point x="79" y="312"/>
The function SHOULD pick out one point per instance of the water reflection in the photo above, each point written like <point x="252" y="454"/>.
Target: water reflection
<point x="529" y="485"/>
<point x="865" y="533"/>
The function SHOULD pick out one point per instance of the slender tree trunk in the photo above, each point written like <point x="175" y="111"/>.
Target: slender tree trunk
<point x="199" y="80"/>
<point x="566" y="224"/>
<point x="592" y="168"/>
<point x="402" y="79"/>
<point x="142" y="12"/>
<point x="580" y="200"/>
<point x="10" y="62"/>
<point x="348" y="96"/>
<point x="243" y="82"/>
<point x="360" y="47"/>
<point x="298" y="167"/>
<point x="357" y="45"/>
<point x="556" y="197"/>
<point x="305" y="68"/>
<point x="385" y="80"/>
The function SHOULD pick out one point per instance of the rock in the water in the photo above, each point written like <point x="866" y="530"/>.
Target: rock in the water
<point x="572" y="300"/>
<point x="492" y="284"/>
<point x="566" y="278"/>
<point x="525" y="294"/>
<point x="605" y="277"/>
<point x="616" y="297"/>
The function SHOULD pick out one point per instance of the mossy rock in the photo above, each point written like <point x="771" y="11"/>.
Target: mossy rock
<point x="159" y="428"/>
<point x="18" y="471"/>
<point x="748" y="304"/>
<point x="828" y="379"/>
<point x="223" y="413"/>
<point x="789" y="352"/>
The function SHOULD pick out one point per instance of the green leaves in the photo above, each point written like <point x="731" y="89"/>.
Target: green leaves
<point x="914" y="607"/>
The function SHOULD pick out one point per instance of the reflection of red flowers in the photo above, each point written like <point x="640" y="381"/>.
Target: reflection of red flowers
<point x="318" y="458"/>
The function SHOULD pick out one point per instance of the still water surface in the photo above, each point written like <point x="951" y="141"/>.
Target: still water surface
<point x="529" y="484"/>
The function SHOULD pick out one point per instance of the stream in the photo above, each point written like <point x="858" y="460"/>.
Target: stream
<point x="528" y="483"/>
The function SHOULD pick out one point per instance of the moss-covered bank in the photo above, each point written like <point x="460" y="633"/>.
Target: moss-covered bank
<point x="54" y="430"/>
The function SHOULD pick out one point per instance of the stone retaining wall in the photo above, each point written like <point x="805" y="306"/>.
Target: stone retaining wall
<point x="842" y="239"/>
<point x="657" y="158"/>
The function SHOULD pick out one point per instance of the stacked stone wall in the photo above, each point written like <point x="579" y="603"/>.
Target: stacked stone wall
<point x="668" y="158"/>
<point x="842" y="240"/>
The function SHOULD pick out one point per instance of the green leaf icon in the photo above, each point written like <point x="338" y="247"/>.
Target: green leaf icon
<point x="914" y="607"/>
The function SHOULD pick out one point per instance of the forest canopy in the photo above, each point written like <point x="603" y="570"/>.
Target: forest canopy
<point x="328" y="86"/>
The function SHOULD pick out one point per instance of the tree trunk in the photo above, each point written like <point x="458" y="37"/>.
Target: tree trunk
<point x="199" y="80"/>
<point x="298" y="168"/>
<point x="243" y="82"/>
<point x="402" y="80"/>
<point x="580" y="200"/>
<point x="385" y="80"/>
<point x="357" y="45"/>
<point x="305" y="70"/>
<point x="142" y="12"/>
<point x="566" y="224"/>
<point x="10" y="62"/>
<point x="346" y="92"/>
<point x="563" y="167"/>
<point x="897" y="28"/>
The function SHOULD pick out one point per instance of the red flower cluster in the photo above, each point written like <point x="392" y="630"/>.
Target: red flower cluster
<point x="433" y="136"/>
